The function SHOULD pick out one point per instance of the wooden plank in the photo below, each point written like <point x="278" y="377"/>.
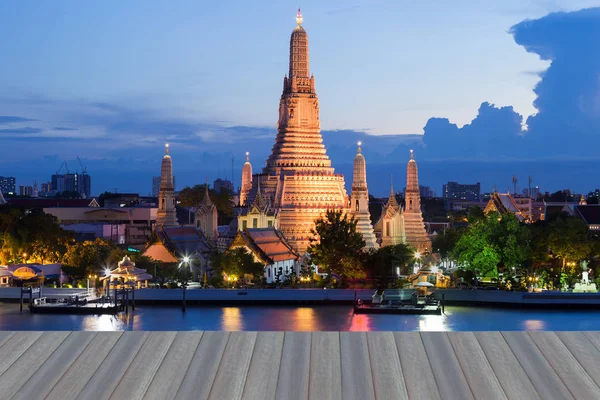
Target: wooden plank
<point x="233" y="369"/>
<point x="573" y="375"/>
<point x="15" y="346"/>
<point x="294" y="367"/>
<point x="20" y="371"/>
<point x="50" y="372"/>
<point x="474" y="364"/>
<point x="5" y="336"/>
<point x="507" y="369"/>
<point x="593" y="337"/>
<point x="107" y="376"/>
<point x="543" y="377"/>
<point x="82" y="370"/>
<point x="261" y="382"/>
<point x="388" y="379"/>
<point x="200" y="375"/>
<point x="141" y="371"/>
<point x="325" y="367"/>
<point x="357" y="380"/>
<point x="451" y="381"/>
<point x="584" y="351"/>
<point x="174" y="366"/>
<point x="418" y="375"/>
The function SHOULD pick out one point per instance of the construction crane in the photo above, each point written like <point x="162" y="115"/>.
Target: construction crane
<point x="64" y="163"/>
<point x="83" y="169"/>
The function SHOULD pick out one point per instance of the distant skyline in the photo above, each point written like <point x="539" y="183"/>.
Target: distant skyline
<point x="112" y="81"/>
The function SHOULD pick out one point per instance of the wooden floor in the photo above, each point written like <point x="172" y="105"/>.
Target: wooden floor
<point x="299" y="365"/>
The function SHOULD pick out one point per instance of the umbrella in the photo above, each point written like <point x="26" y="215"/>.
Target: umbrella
<point x="424" y="284"/>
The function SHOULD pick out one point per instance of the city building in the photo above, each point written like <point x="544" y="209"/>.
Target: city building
<point x="69" y="182"/>
<point x="206" y="217"/>
<point x="359" y="202"/>
<point x="166" y="215"/>
<point x="25" y="190"/>
<point x="222" y="184"/>
<point x="8" y="185"/>
<point x="298" y="179"/>
<point x="269" y="247"/>
<point x="590" y="214"/>
<point x="126" y="225"/>
<point x="46" y="187"/>
<point x="454" y="191"/>
<point x="426" y="192"/>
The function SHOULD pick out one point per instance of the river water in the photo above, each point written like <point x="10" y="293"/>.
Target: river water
<point x="293" y="318"/>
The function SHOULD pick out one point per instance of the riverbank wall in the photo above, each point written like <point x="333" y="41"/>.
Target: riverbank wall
<point x="491" y="298"/>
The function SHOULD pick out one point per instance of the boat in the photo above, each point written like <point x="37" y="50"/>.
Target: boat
<point x="400" y="301"/>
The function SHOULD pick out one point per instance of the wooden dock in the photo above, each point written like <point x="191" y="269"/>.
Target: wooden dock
<point x="299" y="365"/>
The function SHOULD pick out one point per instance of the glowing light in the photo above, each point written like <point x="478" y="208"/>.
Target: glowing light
<point x="417" y="255"/>
<point x="299" y="18"/>
<point x="186" y="259"/>
<point x="106" y="272"/>
<point x="359" y="143"/>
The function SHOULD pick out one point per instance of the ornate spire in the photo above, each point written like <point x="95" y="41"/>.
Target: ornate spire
<point x="206" y="199"/>
<point x="359" y="143"/>
<point x="299" y="18"/>
<point x="247" y="156"/>
<point x="412" y="154"/>
<point x="167" y="149"/>
<point x="392" y="199"/>
<point x="165" y="216"/>
<point x="299" y="66"/>
<point x="259" y="201"/>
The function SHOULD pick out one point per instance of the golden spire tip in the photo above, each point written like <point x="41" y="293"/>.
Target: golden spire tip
<point x="299" y="18"/>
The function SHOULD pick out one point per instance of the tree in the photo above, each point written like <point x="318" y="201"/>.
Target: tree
<point x="381" y="263"/>
<point x="89" y="257"/>
<point x="568" y="239"/>
<point x="445" y="241"/>
<point x="475" y="214"/>
<point x="239" y="262"/>
<point x="476" y="249"/>
<point x="336" y="246"/>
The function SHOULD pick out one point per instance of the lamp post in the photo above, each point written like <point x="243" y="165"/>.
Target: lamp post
<point x="184" y="279"/>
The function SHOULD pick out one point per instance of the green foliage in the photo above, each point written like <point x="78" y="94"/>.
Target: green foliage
<point x="381" y="263"/>
<point x="238" y="262"/>
<point x="336" y="246"/>
<point x="568" y="239"/>
<point x="475" y="214"/>
<point x="89" y="257"/>
<point x="31" y="235"/>
<point x="193" y="196"/>
<point x="445" y="241"/>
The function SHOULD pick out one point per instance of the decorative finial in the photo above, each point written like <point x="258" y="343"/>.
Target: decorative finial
<point x="359" y="146"/>
<point x="247" y="156"/>
<point x="299" y="18"/>
<point x="166" y="148"/>
<point x="412" y="154"/>
<point x="391" y="185"/>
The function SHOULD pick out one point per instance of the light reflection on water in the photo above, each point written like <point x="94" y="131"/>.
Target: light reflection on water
<point x="305" y="318"/>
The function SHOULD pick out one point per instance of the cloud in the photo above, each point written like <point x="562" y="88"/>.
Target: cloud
<point x="19" y="131"/>
<point x="60" y="128"/>
<point x="10" y="119"/>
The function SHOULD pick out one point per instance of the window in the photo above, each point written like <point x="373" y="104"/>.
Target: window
<point x="356" y="205"/>
<point x="387" y="229"/>
<point x="268" y="272"/>
<point x="270" y="223"/>
<point x="244" y="224"/>
<point x="255" y="222"/>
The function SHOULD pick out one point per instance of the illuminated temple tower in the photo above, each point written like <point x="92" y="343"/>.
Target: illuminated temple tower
<point x="298" y="178"/>
<point x="165" y="216"/>
<point x="359" y="203"/>
<point x="246" y="180"/>
<point x="416" y="236"/>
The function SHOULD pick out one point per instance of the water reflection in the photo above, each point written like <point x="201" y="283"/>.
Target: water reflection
<point x="304" y="320"/>
<point x="360" y="323"/>
<point x="433" y="323"/>
<point x="534" y="325"/>
<point x="232" y="319"/>
<point x="102" y="323"/>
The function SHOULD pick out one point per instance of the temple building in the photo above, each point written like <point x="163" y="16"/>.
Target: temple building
<point x="359" y="203"/>
<point x="298" y="180"/>
<point x="246" y="180"/>
<point x="165" y="215"/>
<point x="258" y="215"/>
<point x="504" y="203"/>
<point x="414" y="228"/>
<point x="206" y="217"/>
<point x="390" y="227"/>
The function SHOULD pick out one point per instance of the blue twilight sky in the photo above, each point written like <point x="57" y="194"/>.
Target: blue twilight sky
<point x="498" y="88"/>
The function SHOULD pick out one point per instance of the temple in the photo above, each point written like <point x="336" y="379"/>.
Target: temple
<point x="416" y="236"/>
<point x="165" y="215"/>
<point x="298" y="180"/>
<point x="206" y="217"/>
<point x="390" y="227"/>
<point x="359" y="203"/>
<point x="246" y="180"/>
